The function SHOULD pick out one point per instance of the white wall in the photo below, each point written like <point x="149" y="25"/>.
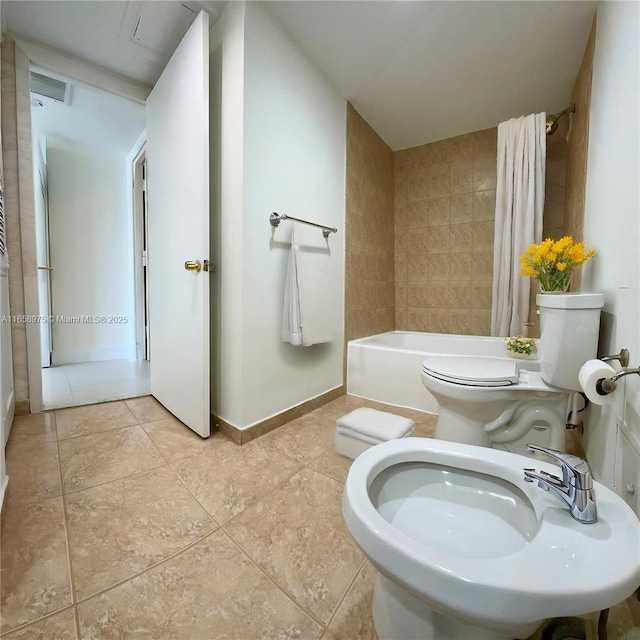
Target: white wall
<point x="292" y="138"/>
<point x="294" y="162"/>
<point x="226" y="104"/>
<point x="611" y="226"/>
<point x="6" y="364"/>
<point x="90" y="241"/>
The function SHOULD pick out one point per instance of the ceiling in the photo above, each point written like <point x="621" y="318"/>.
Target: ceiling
<point x="417" y="71"/>
<point x="94" y="118"/>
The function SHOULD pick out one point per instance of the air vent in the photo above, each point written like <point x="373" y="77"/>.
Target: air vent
<point x="51" y="88"/>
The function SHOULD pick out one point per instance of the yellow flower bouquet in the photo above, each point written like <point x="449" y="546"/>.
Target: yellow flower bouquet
<point x="552" y="263"/>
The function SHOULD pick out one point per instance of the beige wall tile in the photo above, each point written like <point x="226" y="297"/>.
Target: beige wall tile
<point x="460" y="266"/>
<point x="483" y="236"/>
<point x="439" y="211"/>
<point x="461" y="238"/>
<point x="461" y="294"/>
<point x="461" y="208"/>
<point x="484" y="205"/>
<point x="484" y="175"/>
<point x="462" y="178"/>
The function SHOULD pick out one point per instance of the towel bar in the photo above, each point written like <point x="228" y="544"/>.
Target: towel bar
<point x="276" y="218"/>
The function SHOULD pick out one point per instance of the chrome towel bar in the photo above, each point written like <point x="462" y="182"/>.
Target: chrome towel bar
<point x="275" y="219"/>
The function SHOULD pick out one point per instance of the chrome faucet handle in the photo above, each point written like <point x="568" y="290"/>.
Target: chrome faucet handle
<point x="575" y="470"/>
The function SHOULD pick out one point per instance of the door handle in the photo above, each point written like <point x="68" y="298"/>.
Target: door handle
<point x="193" y="265"/>
<point x="45" y="268"/>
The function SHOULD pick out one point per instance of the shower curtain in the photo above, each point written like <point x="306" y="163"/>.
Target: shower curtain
<point x="518" y="219"/>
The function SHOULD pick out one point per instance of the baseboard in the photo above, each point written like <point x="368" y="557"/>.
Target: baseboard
<point x="242" y="436"/>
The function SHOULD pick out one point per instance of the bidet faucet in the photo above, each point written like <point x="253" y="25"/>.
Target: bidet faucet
<point x="575" y="486"/>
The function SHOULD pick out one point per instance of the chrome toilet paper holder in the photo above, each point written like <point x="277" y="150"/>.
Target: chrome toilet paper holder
<point x="605" y="386"/>
<point x="622" y="357"/>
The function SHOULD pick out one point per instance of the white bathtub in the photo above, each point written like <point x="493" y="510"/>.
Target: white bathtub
<point x="386" y="367"/>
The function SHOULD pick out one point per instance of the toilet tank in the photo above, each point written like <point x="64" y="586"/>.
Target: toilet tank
<point x="569" y="326"/>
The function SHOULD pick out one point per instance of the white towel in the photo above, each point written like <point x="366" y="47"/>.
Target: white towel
<point x="379" y="425"/>
<point x="291" y="320"/>
<point x="304" y="316"/>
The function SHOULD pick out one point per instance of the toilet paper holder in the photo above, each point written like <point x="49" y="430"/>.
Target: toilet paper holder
<point x="605" y="386"/>
<point x="622" y="357"/>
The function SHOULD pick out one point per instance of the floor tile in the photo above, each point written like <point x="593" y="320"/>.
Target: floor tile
<point x="56" y="391"/>
<point x="35" y="568"/>
<point x="340" y="407"/>
<point x="119" y="529"/>
<point x="59" y="626"/>
<point x="86" y="373"/>
<point x="95" y="418"/>
<point x="210" y="591"/>
<point x="34" y="472"/>
<point x="332" y="464"/>
<point x="107" y="391"/>
<point x="303" y="439"/>
<point x="148" y="409"/>
<point x="227" y="478"/>
<point x="91" y="460"/>
<point x="353" y="617"/>
<point x="174" y="440"/>
<point x="32" y="429"/>
<point x="297" y="534"/>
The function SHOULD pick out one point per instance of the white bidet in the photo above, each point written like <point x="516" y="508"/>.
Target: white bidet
<point x="466" y="548"/>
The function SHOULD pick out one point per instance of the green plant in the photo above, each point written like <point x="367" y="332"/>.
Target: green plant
<point x="518" y="344"/>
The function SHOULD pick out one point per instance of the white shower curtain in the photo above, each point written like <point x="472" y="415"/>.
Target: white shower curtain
<point x="518" y="220"/>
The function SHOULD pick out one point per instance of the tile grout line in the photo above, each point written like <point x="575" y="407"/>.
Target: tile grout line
<point x="66" y="529"/>
<point x="146" y="569"/>
<point x="263" y="571"/>
<point x="347" y="591"/>
<point x="97" y="433"/>
<point x="25" y="625"/>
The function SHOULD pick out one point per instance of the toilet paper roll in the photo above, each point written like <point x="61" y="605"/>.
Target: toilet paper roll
<point x="591" y="372"/>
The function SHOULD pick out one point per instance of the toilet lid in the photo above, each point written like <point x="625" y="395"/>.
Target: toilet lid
<point x="475" y="371"/>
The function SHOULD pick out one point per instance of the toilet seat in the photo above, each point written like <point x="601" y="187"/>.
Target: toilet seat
<point x="473" y="371"/>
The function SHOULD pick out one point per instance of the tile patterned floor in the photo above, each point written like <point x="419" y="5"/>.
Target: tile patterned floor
<point x="71" y="385"/>
<point x="122" y="523"/>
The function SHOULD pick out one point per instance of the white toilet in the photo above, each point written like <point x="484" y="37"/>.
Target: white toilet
<point x="468" y="550"/>
<point x="507" y="403"/>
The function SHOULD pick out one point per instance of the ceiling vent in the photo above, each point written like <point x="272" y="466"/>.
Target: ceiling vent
<point x="47" y="87"/>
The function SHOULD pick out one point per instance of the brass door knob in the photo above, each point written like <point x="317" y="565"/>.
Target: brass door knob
<point x="193" y="265"/>
<point x="45" y="268"/>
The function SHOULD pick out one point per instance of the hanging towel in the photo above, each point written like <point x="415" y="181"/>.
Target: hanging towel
<point x="307" y="315"/>
<point x="378" y="425"/>
<point x="291" y="323"/>
<point x="518" y="219"/>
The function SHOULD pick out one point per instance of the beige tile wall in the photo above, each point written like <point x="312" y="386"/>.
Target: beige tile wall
<point x="444" y="211"/>
<point x="19" y="204"/>
<point x="369" y="268"/>
<point x="577" y="148"/>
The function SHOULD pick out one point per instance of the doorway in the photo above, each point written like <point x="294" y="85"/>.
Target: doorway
<point x="86" y="228"/>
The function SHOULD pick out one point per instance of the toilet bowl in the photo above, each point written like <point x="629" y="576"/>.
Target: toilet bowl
<point x="495" y="402"/>
<point x="466" y="549"/>
<point x="507" y="403"/>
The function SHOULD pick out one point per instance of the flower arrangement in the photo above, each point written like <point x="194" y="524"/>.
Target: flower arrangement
<point x="518" y="344"/>
<point x="552" y="263"/>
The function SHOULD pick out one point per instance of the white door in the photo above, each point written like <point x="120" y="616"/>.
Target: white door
<point x="178" y="188"/>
